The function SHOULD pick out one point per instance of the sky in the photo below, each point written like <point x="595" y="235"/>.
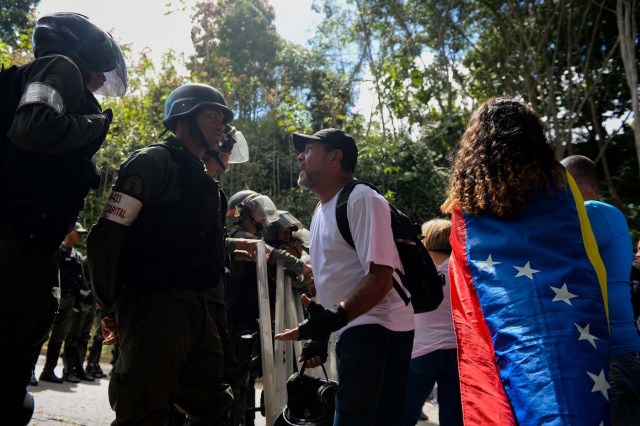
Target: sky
<point x="148" y="27"/>
<point x="135" y="22"/>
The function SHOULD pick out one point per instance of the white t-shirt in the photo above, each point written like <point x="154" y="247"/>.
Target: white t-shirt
<point x="338" y="268"/>
<point x="434" y="330"/>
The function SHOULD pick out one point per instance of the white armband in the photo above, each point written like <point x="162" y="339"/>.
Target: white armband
<point x="42" y="93"/>
<point x="121" y="208"/>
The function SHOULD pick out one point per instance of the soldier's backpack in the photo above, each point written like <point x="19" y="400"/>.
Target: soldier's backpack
<point x="420" y="277"/>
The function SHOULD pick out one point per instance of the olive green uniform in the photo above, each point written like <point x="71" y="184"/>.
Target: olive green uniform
<point x="170" y="349"/>
<point x="45" y="155"/>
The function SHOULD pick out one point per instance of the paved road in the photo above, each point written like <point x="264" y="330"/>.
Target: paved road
<point x="86" y="403"/>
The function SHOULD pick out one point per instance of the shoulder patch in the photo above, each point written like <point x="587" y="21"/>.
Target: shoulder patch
<point x="133" y="185"/>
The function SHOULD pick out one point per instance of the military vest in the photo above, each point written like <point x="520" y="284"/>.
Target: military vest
<point x="177" y="241"/>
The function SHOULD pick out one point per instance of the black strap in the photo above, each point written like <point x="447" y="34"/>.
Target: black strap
<point x="343" y="225"/>
<point x="341" y="209"/>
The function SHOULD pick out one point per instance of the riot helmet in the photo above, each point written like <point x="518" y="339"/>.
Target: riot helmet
<point x="91" y="49"/>
<point x="186" y="100"/>
<point x="248" y="204"/>
<point x="285" y="231"/>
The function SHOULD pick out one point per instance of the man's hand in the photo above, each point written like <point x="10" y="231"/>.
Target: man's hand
<point x="307" y="277"/>
<point x="109" y="329"/>
<point x="321" y="322"/>
<point x="314" y="352"/>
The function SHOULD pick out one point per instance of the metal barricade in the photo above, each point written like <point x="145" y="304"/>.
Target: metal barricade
<point x="280" y="358"/>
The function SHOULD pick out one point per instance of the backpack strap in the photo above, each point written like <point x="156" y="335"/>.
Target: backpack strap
<point x="341" y="209"/>
<point x="343" y="225"/>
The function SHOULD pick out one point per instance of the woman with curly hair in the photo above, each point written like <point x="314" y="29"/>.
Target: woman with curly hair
<point x="528" y="286"/>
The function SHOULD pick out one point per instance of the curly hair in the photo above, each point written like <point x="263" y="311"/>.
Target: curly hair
<point x="502" y="161"/>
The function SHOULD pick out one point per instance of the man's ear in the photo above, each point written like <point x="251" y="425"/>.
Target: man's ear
<point x="336" y="156"/>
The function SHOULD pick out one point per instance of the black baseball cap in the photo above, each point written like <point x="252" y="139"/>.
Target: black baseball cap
<point x="335" y="138"/>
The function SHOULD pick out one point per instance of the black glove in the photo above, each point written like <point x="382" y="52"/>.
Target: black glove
<point x="313" y="348"/>
<point x="322" y="322"/>
<point x="108" y="113"/>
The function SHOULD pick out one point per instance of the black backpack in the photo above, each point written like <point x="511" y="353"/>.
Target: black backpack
<point x="420" y="277"/>
<point x="10" y="94"/>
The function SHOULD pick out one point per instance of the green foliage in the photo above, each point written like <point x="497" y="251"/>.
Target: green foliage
<point x="15" y="17"/>
<point x="405" y="173"/>
<point x="429" y="62"/>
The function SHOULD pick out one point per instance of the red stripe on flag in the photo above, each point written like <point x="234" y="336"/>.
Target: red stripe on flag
<point x="484" y="400"/>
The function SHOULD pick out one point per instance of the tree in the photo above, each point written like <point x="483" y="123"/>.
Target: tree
<point x="626" y="12"/>
<point x="15" y="17"/>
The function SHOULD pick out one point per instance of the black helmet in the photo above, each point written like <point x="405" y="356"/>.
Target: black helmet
<point x="187" y="99"/>
<point x="286" y="222"/>
<point x="91" y="49"/>
<point x="246" y="203"/>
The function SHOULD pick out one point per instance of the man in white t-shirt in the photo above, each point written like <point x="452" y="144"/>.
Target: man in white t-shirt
<point x="373" y="326"/>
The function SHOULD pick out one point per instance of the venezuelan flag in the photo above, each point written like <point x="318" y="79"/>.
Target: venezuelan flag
<point x="529" y="308"/>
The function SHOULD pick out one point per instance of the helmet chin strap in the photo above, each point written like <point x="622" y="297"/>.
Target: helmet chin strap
<point x="196" y="132"/>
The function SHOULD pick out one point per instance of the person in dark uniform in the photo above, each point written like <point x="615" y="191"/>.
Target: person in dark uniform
<point x="288" y="234"/>
<point x="250" y="213"/>
<point x="77" y="340"/>
<point x="93" y="367"/>
<point x="71" y="281"/>
<point x="45" y="174"/>
<point x="156" y="260"/>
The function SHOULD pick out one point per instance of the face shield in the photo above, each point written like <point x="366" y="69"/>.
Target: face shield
<point x="116" y="79"/>
<point x="235" y="145"/>
<point x="288" y="221"/>
<point x="262" y="209"/>
<point x="303" y="235"/>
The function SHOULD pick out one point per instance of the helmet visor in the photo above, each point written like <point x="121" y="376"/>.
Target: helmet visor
<point x="116" y="79"/>
<point x="263" y="209"/>
<point x="303" y="235"/>
<point x="240" y="150"/>
<point x="288" y="221"/>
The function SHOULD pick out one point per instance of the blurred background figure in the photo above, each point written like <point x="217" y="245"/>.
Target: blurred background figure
<point x="252" y="214"/>
<point x="72" y="280"/>
<point x="635" y="286"/>
<point x="435" y="359"/>
<point x="616" y="249"/>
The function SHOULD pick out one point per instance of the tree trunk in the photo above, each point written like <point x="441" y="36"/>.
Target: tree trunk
<point x="626" y="14"/>
<point x="601" y="139"/>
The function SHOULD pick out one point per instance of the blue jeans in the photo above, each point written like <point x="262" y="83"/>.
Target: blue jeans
<point x="439" y="366"/>
<point x="625" y="389"/>
<point x="373" y="363"/>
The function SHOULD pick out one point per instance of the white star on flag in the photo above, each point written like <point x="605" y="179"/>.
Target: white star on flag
<point x="525" y="271"/>
<point x="487" y="265"/>
<point x="600" y="384"/>
<point x="563" y="294"/>
<point x="586" y="335"/>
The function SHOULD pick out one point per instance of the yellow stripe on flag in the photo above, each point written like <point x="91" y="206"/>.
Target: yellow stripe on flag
<point x="590" y="244"/>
